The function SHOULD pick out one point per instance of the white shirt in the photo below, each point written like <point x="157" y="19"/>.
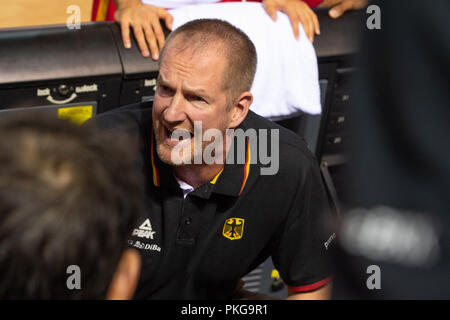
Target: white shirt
<point x="187" y="188"/>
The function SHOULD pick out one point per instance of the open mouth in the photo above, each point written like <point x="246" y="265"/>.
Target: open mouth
<point x="178" y="134"/>
<point x="168" y="132"/>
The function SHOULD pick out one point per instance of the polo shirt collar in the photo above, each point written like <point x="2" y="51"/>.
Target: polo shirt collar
<point x="233" y="179"/>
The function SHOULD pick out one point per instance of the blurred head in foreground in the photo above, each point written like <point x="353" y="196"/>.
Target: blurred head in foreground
<point x="69" y="197"/>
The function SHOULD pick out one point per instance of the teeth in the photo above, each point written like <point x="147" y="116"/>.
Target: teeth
<point x="170" y="132"/>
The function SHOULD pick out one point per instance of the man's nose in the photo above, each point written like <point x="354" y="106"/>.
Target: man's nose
<point x="176" y="110"/>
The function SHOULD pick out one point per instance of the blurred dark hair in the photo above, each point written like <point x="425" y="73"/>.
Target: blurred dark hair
<point x="69" y="195"/>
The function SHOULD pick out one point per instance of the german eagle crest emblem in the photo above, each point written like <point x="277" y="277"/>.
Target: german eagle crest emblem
<point x="233" y="228"/>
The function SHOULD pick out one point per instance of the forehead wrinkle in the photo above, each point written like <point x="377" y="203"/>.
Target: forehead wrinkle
<point x="182" y="63"/>
<point x="186" y="68"/>
<point x="182" y="69"/>
<point x="188" y="90"/>
<point x="193" y="49"/>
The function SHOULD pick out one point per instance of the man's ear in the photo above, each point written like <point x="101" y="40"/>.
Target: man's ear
<point x="125" y="279"/>
<point x="240" y="109"/>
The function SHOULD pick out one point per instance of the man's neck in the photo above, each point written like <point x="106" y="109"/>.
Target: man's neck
<point x="197" y="175"/>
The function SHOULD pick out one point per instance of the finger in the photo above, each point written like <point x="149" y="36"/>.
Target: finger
<point x="309" y="27"/>
<point x="159" y="36"/>
<point x="168" y="18"/>
<point x="125" y="29"/>
<point x="312" y="27"/>
<point x="306" y="20"/>
<point x="295" y="28"/>
<point x="151" y="41"/>
<point x="338" y="10"/>
<point x="295" y="19"/>
<point x="316" y="23"/>
<point x="140" y="38"/>
<point x="271" y="10"/>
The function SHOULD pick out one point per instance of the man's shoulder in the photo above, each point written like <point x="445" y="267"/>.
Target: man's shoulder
<point x="291" y="145"/>
<point x="129" y="118"/>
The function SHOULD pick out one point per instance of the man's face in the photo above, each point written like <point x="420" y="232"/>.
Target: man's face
<point x="189" y="90"/>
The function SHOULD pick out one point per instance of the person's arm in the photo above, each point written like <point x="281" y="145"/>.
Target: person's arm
<point x="297" y="11"/>
<point x="323" y="293"/>
<point x="338" y="7"/>
<point x="301" y="255"/>
<point x="144" y="19"/>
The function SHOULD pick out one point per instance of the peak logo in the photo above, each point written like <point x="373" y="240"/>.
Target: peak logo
<point x="145" y="230"/>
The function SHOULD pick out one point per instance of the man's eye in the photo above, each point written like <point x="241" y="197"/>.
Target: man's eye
<point x="197" y="99"/>
<point x="163" y="89"/>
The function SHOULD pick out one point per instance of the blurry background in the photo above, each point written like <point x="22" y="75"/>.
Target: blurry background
<point x="18" y="13"/>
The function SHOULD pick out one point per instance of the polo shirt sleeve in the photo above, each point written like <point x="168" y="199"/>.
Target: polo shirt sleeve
<point x="302" y="255"/>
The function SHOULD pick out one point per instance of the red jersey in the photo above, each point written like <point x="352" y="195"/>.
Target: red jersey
<point x="103" y="10"/>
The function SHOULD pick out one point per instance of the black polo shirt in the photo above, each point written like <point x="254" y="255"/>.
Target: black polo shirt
<point x="199" y="247"/>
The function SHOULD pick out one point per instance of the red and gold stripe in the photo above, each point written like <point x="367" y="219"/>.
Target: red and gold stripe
<point x="103" y="10"/>
<point x="213" y="181"/>
<point x="154" y="169"/>
<point x="246" y="167"/>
